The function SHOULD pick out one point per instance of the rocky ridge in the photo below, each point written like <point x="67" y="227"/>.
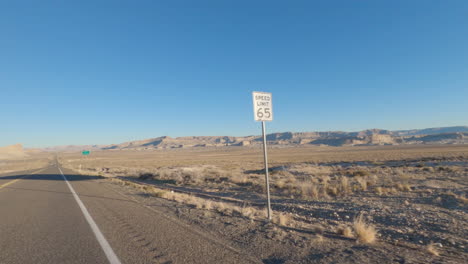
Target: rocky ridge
<point x="458" y="135"/>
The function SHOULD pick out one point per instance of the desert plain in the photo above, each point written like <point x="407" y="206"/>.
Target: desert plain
<point x="369" y="204"/>
<point x="359" y="204"/>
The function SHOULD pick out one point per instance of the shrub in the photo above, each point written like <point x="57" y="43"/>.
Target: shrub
<point x="365" y="233"/>
<point x="309" y="191"/>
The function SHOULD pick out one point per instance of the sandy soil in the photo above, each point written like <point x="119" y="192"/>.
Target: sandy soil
<point x="29" y="162"/>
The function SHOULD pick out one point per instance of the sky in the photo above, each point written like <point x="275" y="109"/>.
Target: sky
<point x="102" y="72"/>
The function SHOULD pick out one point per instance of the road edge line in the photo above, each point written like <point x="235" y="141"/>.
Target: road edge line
<point x="111" y="256"/>
<point x="189" y="228"/>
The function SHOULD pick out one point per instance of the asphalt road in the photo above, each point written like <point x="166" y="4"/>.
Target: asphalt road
<point x="41" y="221"/>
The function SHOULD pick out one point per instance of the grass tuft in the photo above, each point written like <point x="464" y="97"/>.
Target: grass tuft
<point x="309" y="190"/>
<point x="431" y="248"/>
<point x="363" y="183"/>
<point x="365" y="232"/>
<point x="346" y="232"/>
<point x="404" y="187"/>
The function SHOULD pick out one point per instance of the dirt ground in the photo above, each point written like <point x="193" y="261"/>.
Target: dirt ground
<point x="386" y="204"/>
<point x="35" y="161"/>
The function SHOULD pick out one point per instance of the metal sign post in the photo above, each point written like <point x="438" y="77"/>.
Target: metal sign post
<point x="267" y="176"/>
<point x="86" y="154"/>
<point x="263" y="111"/>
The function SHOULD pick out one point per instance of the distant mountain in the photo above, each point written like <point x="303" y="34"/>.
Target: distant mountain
<point x="443" y="135"/>
<point x="445" y="138"/>
<point x="72" y="148"/>
<point x="432" y="131"/>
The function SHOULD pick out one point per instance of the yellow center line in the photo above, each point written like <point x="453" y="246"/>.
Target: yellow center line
<point x="15" y="180"/>
<point x="10" y="182"/>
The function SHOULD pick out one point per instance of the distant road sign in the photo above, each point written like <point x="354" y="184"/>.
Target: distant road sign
<point x="263" y="107"/>
<point x="85" y="152"/>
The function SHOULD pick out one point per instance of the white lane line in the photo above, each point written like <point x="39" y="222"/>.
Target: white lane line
<point x="113" y="259"/>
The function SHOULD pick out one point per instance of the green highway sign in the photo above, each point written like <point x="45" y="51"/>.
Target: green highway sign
<point x="85" y="152"/>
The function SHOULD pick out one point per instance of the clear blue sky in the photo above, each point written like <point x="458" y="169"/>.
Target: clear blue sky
<point x="99" y="72"/>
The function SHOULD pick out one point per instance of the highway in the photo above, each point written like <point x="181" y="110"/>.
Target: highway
<point x="50" y="217"/>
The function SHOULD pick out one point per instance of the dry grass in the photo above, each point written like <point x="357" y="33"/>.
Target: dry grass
<point x="344" y="186"/>
<point x="333" y="191"/>
<point x="185" y="175"/>
<point x="360" y="173"/>
<point x="280" y="184"/>
<point x="459" y="198"/>
<point x="318" y="239"/>
<point x="365" y="232"/>
<point x="310" y="170"/>
<point x="282" y="219"/>
<point x="325" y="180"/>
<point x="248" y="212"/>
<point x="283" y="174"/>
<point x="230" y="172"/>
<point x="160" y="194"/>
<point x="431" y="249"/>
<point x="208" y="205"/>
<point x="391" y="190"/>
<point x="379" y="190"/>
<point x="239" y="178"/>
<point x="309" y="190"/>
<point x="404" y="177"/>
<point x="462" y="199"/>
<point x="404" y="187"/>
<point x="201" y="203"/>
<point x="385" y="190"/>
<point x="362" y="183"/>
<point x="250" y="158"/>
<point x="346" y="231"/>
<point x="229" y="168"/>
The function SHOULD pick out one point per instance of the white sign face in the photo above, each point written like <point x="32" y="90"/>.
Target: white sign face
<point x="263" y="107"/>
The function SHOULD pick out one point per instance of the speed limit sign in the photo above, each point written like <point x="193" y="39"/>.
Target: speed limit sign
<point x="263" y="107"/>
<point x="263" y="111"/>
